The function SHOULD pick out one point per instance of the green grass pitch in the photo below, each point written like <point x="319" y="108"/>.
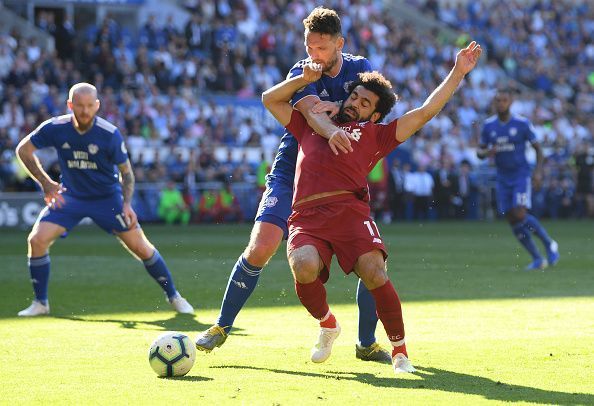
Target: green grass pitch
<point x="479" y="329"/>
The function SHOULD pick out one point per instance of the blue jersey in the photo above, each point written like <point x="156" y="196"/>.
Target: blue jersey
<point x="327" y="88"/>
<point x="87" y="161"/>
<point x="509" y="140"/>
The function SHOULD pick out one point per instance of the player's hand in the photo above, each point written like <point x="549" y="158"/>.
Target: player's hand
<point x="328" y="107"/>
<point x="312" y="72"/>
<point x="467" y="58"/>
<point x="340" y="140"/>
<point x="129" y="216"/>
<point x="52" y="192"/>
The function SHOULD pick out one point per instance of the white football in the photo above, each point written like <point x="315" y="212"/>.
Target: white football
<point x="172" y="354"/>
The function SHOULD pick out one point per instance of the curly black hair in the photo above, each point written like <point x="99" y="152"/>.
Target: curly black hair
<point x="378" y="84"/>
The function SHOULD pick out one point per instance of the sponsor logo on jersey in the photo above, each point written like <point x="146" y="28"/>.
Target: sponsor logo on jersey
<point x="93" y="149"/>
<point x="270" y="201"/>
<point x="356" y="134"/>
<point x="65" y="146"/>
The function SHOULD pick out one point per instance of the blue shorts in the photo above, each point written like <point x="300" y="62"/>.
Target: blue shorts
<point x="275" y="206"/>
<point x="513" y="192"/>
<point x="105" y="212"/>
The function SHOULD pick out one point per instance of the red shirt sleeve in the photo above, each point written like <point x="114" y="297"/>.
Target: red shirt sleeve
<point x="386" y="137"/>
<point x="297" y="125"/>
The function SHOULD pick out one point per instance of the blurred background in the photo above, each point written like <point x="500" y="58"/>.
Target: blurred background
<point x="182" y="80"/>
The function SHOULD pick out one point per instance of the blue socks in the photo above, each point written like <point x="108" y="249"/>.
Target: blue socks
<point x="156" y="267"/>
<point x="367" y="315"/>
<point x="522" y="233"/>
<point x="242" y="282"/>
<point x="39" y="269"/>
<point x="534" y="225"/>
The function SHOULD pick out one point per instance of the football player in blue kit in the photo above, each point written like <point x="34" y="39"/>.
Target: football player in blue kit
<point x="92" y="156"/>
<point x="324" y="43"/>
<point x="505" y="135"/>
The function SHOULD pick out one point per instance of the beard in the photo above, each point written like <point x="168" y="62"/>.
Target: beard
<point x="84" y="123"/>
<point x="331" y="63"/>
<point x="343" y="117"/>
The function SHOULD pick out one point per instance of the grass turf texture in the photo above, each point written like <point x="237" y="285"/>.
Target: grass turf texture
<point x="479" y="329"/>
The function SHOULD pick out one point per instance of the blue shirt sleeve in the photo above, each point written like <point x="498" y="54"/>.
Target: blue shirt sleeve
<point x="119" y="153"/>
<point x="42" y="136"/>
<point x="366" y="65"/>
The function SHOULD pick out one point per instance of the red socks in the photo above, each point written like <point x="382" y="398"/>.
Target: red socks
<point x="313" y="297"/>
<point x="389" y="312"/>
<point x="329" y="321"/>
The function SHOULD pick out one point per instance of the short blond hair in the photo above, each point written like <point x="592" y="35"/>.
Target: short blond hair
<point x="82" y="87"/>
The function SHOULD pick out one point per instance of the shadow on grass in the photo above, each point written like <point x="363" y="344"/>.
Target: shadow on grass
<point x="448" y="381"/>
<point x="183" y="322"/>
<point x="187" y="378"/>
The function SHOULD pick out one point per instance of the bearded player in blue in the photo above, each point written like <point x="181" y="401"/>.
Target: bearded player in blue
<point x="92" y="156"/>
<point x="506" y="136"/>
<point x="324" y="43"/>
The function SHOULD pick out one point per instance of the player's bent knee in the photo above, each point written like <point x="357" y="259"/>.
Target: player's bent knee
<point x="260" y="251"/>
<point x="38" y="242"/>
<point x="373" y="277"/>
<point x="142" y="251"/>
<point x="304" y="269"/>
<point x="264" y="242"/>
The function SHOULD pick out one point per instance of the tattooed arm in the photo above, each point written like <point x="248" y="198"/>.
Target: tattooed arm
<point x="127" y="180"/>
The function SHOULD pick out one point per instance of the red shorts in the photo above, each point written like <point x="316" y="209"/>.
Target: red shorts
<point x="341" y="227"/>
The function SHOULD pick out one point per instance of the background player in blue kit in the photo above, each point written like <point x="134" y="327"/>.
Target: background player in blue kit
<point x="506" y="136"/>
<point x="91" y="151"/>
<point x="324" y="43"/>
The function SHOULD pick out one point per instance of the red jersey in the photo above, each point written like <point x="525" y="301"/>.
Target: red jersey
<point x="319" y="170"/>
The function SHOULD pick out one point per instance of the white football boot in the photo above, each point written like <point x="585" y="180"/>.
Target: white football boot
<point x="36" y="309"/>
<point x="402" y="364"/>
<point x="323" y="348"/>
<point x="181" y="305"/>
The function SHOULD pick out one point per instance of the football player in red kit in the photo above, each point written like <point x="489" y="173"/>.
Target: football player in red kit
<point x="331" y="214"/>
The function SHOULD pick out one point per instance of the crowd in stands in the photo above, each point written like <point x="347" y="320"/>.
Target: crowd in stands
<point x="153" y="82"/>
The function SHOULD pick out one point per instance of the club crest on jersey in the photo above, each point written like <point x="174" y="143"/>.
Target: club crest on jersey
<point x="270" y="201"/>
<point x="93" y="149"/>
<point x="513" y="131"/>
<point x="346" y="85"/>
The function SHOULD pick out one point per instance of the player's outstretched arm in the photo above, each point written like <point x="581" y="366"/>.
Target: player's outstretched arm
<point x="338" y="139"/>
<point x="277" y="98"/>
<point x="52" y="191"/>
<point x="127" y="180"/>
<point x="412" y="121"/>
